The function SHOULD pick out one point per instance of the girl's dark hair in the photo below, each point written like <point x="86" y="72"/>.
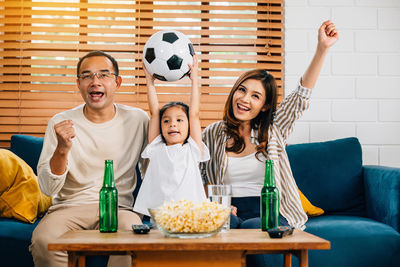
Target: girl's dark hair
<point x="264" y="119"/>
<point x="98" y="54"/>
<point x="184" y="107"/>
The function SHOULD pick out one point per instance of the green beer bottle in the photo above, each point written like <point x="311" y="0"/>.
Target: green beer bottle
<point x="269" y="199"/>
<point x="108" y="201"/>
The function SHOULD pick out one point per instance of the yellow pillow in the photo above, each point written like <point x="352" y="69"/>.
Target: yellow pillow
<point x="309" y="208"/>
<point x="20" y="196"/>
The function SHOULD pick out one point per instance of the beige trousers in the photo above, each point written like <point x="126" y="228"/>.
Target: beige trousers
<point x="59" y="220"/>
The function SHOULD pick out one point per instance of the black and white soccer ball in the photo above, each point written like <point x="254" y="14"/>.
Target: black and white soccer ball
<point x="167" y="54"/>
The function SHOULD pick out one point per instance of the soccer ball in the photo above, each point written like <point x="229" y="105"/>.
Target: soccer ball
<point x="167" y="55"/>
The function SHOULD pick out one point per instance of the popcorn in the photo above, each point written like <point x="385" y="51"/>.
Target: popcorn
<point x="188" y="217"/>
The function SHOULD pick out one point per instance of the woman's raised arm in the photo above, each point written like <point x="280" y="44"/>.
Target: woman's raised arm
<point x="327" y="36"/>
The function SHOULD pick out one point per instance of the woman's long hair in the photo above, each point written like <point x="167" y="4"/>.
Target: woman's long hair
<point x="264" y="119"/>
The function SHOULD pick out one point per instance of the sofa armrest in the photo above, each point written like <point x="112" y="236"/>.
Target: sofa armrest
<point x="382" y="194"/>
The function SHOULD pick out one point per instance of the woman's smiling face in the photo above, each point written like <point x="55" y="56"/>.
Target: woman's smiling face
<point x="248" y="100"/>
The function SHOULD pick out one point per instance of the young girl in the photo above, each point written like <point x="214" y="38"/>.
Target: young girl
<point x="175" y="150"/>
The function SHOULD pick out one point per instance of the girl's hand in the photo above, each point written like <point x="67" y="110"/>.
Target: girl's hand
<point x="327" y="35"/>
<point x="193" y="75"/>
<point x="149" y="78"/>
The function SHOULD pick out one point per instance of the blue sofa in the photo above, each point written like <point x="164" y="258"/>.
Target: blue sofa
<point x="361" y="203"/>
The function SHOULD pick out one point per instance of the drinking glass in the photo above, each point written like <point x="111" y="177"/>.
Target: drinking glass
<point x="221" y="194"/>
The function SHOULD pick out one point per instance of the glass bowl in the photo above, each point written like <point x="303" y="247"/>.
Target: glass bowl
<point x="176" y="223"/>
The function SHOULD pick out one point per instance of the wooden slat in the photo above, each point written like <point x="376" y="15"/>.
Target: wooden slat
<point x="223" y="68"/>
<point x="69" y="54"/>
<point x="130" y="14"/>
<point x="29" y="112"/>
<point x="128" y="40"/>
<point x="163" y="6"/>
<point x="138" y="56"/>
<point x="131" y="30"/>
<point x="131" y="48"/>
<point x="22" y="128"/>
<point x="25" y="120"/>
<point x="133" y="23"/>
<point x="233" y="1"/>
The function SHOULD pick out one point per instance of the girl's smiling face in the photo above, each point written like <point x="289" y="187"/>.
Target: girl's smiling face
<point x="174" y="125"/>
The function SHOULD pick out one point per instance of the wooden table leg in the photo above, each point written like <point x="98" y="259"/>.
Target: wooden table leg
<point x="303" y="258"/>
<point x="81" y="260"/>
<point x="71" y="259"/>
<point x="243" y="262"/>
<point x="287" y="259"/>
<point x="133" y="257"/>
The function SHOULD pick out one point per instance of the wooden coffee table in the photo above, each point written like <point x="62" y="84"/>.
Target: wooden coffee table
<point x="153" y="249"/>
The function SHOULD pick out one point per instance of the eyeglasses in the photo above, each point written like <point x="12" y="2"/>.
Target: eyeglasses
<point x="100" y="75"/>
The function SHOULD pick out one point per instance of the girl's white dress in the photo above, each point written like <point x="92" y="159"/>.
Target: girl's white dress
<point x="173" y="174"/>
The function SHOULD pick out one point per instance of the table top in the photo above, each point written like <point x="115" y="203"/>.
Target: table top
<point x="235" y="239"/>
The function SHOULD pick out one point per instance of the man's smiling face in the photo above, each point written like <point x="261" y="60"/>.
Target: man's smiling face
<point x="98" y="93"/>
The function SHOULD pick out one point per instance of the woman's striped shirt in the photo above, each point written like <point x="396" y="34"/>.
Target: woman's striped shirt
<point x="289" y="110"/>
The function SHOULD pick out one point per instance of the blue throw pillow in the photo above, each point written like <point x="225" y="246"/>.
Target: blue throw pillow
<point x="330" y="174"/>
<point x="28" y="148"/>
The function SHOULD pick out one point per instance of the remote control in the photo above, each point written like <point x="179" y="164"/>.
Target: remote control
<point x="280" y="231"/>
<point x="140" y="228"/>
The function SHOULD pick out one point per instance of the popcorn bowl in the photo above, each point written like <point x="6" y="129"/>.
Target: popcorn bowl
<point x="185" y="219"/>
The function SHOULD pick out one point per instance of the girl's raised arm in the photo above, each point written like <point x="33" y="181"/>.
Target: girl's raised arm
<point x="194" y="108"/>
<point x="154" y="126"/>
<point x="327" y="36"/>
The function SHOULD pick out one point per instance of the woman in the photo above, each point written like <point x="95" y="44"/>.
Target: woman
<point x="252" y="130"/>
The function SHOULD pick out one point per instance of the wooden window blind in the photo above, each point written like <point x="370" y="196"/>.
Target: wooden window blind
<point x="42" y="40"/>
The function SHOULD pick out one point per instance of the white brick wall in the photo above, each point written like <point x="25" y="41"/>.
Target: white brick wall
<point x="389" y="156"/>
<point x="377" y="41"/>
<point x="328" y="131"/>
<point x="354" y="64"/>
<point x="389" y="64"/>
<point x="355" y="18"/>
<point x="354" y="110"/>
<point x="389" y="110"/>
<point x="378" y="87"/>
<point x="358" y="91"/>
<point x="370" y="155"/>
<point x="389" y="18"/>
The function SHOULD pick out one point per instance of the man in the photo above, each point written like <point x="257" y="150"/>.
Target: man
<point x="71" y="165"/>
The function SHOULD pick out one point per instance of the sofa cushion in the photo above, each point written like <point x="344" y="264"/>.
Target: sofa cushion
<point x="355" y="241"/>
<point x="28" y="148"/>
<point x="20" y="196"/>
<point x="309" y="208"/>
<point x="330" y="174"/>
